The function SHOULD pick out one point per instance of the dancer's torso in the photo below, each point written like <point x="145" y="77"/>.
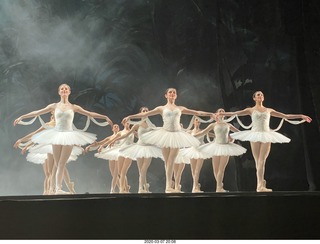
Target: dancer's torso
<point x="171" y="119"/>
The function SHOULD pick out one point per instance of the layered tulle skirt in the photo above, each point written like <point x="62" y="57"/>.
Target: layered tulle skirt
<point x="260" y="136"/>
<point x="39" y="153"/>
<point x="55" y="137"/>
<point x="192" y="153"/>
<point x="37" y="158"/>
<point x="169" y="139"/>
<point x="216" y="149"/>
<point x="108" y="153"/>
<point x="181" y="159"/>
<point x="135" y="151"/>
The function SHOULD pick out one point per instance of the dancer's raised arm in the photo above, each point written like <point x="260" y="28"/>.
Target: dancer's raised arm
<point x="80" y="110"/>
<point x="275" y="113"/>
<point x="246" y="111"/>
<point x="35" y="113"/>
<point x="188" y="111"/>
<point x="155" y="111"/>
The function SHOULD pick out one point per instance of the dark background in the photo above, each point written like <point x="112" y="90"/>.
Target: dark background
<point x="120" y="55"/>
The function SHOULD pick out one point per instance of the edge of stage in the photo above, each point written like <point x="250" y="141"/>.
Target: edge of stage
<point x="232" y="215"/>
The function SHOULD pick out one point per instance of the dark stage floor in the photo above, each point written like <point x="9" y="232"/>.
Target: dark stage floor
<point x="239" y="215"/>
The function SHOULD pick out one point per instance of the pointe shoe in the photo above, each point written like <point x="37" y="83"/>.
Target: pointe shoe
<point x="51" y="192"/>
<point x="197" y="189"/>
<point x="178" y="189"/>
<point x="61" y="192"/>
<point x="127" y="189"/>
<point x="170" y="190"/>
<point x="263" y="189"/>
<point x="264" y="183"/>
<point x="146" y="187"/>
<point x="221" y="190"/>
<point x="70" y="186"/>
<point x="141" y="190"/>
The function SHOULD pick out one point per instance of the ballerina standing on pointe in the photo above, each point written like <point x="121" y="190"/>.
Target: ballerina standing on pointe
<point x="221" y="148"/>
<point x="170" y="137"/>
<point x="260" y="135"/>
<point x="63" y="136"/>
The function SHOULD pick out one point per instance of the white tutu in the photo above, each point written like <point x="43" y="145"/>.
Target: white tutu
<point x="40" y="158"/>
<point x="41" y="149"/>
<point x="55" y="137"/>
<point x="46" y="148"/>
<point x="260" y="136"/>
<point x="135" y="151"/>
<point x="173" y="139"/>
<point x="180" y="159"/>
<point x="216" y="149"/>
<point x="36" y="158"/>
<point x="108" y="153"/>
<point x="192" y="153"/>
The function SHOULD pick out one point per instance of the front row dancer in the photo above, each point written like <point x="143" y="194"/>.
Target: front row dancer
<point x="260" y="135"/>
<point x="63" y="136"/>
<point x="170" y="137"/>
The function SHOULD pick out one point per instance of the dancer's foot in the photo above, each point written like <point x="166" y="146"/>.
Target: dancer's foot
<point x="264" y="183"/>
<point x="178" y="189"/>
<point x="141" y="190"/>
<point x="196" y="189"/>
<point x="70" y="186"/>
<point x="263" y="189"/>
<point x="221" y="190"/>
<point x="127" y="189"/>
<point x="61" y="192"/>
<point x="170" y="190"/>
<point x="146" y="187"/>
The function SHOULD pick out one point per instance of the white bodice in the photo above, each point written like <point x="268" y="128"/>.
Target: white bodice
<point x="141" y="131"/>
<point x="171" y="119"/>
<point x="64" y="119"/>
<point x="200" y="138"/>
<point x="221" y="132"/>
<point x="126" y="141"/>
<point x="260" y="121"/>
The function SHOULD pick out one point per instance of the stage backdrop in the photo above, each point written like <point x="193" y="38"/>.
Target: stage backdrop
<point x="119" y="55"/>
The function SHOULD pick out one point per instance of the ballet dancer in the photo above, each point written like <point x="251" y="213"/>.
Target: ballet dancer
<point x="221" y="148"/>
<point x="260" y="135"/>
<point x="140" y="151"/>
<point x="170" y="137"/>
<point x="108" y="154"/>
<point x="63" y="136"/>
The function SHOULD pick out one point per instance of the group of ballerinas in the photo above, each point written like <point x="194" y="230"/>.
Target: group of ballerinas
<point x="170" y="142"/>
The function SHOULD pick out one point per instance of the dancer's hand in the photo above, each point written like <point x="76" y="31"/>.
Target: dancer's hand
<point x="100" y="149"/>
<point x="213" y="116"/>
<point x="23" y="151"/>
<point x="16" y="145"/>
<point x="109" y="121"/>
<point x="306" y="118"/>
<point x="124" y="121"/>
<point x="16" y="121"/>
